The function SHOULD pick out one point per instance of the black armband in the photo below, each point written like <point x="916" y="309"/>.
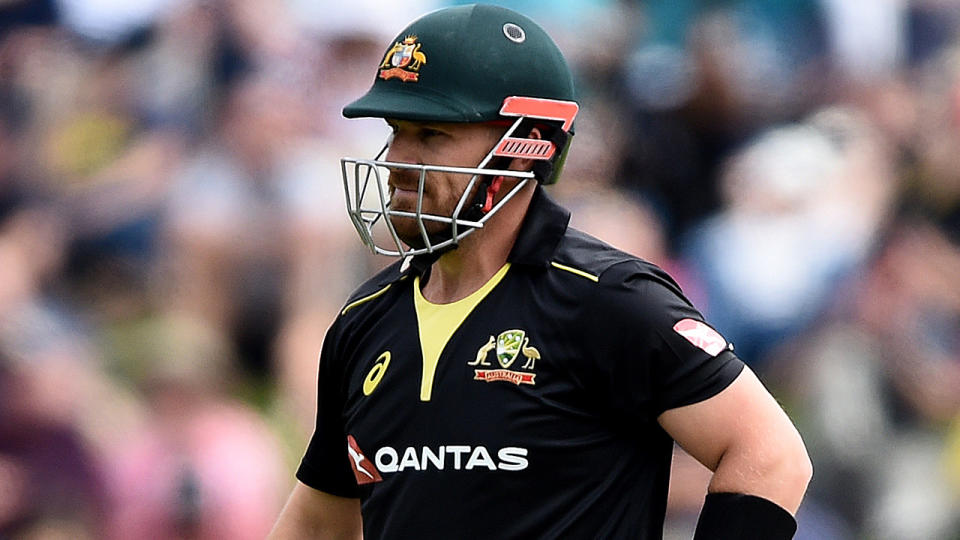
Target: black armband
<point x="737" y="516"/>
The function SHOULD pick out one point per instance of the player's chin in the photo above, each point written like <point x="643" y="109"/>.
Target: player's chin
<point x="408" y="231"/>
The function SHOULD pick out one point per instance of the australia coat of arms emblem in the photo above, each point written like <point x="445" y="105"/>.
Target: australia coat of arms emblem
<point x="403" y="61"/>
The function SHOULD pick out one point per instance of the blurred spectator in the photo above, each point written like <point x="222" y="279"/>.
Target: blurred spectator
<point x="202" y="465"/>
<point x="106" y="20"/>
<point x="225" y="218"/>
<point x="295" y="356"/>
<point x="878" y="386"/>
<point x="51" y="473"/>
<point x="703" y="78"/>
<point x="803" y="207"/>
<point x="15" y="14"/>
<point x="51" y="484"/>
<point x="867" y="41"/>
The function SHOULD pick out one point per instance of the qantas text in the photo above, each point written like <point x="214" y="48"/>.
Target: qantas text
<point x="454" y="456"/>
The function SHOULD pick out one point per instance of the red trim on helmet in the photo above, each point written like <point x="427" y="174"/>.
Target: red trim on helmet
<point x="525" y="148"/>
<point x="544" y="109"/>
<point x="491" y="193"/>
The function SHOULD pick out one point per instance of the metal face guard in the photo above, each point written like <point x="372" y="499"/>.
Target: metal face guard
<point x="367" y="206"/>
<point x="368" y="200"/>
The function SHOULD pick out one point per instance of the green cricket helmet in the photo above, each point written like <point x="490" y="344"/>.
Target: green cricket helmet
<point x="476" y="63"/>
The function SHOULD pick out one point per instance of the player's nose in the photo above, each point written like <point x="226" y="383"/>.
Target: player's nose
<point x="402" y="149"/>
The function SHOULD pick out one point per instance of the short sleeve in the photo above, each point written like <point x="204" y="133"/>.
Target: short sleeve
<point x="326" y="465"/>
<point x="661" y="353"/>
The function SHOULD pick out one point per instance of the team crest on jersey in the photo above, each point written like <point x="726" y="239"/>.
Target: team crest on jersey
<point x="403" y="61"/>
<point x="508" y="346"/>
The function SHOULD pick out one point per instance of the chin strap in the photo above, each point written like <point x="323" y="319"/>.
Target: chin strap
<point x="487" y="189"/>
<point x="492" y="190"/>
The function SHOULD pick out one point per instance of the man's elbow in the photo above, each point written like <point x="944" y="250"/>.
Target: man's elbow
<point x="778" y="469"/>
<point x="800" y="468"/>
<point x="792" y="469"/>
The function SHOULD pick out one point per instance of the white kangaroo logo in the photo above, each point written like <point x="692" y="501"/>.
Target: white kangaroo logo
<point x="358" y="458"/>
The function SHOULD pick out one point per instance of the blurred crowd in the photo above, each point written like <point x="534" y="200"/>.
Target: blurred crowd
<point x="173" y="241"/>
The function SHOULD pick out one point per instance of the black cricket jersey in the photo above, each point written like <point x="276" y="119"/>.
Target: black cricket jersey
<point x="526" y="410"/>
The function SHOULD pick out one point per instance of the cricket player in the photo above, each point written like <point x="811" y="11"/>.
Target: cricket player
<point x="510" y="376"/>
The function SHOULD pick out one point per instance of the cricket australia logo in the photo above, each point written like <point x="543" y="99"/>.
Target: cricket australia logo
<point x="403" y="61"/>
<point x="508" y="345"/>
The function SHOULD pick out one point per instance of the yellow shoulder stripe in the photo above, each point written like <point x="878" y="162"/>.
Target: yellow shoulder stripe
<point x="581" y="273"/>
<point x="367" y="298"/>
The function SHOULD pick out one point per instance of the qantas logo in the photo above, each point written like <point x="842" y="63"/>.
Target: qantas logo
<point x="362" y="467"/>
<point x="454" y="457"/>
<point x="701" y="336"/>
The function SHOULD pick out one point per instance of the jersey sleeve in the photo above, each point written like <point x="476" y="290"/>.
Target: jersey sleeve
<point x="661" y="354"/>
<point x="326" y="465"/>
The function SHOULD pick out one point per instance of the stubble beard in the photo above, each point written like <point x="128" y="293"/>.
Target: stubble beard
<point x="407" y="229"/>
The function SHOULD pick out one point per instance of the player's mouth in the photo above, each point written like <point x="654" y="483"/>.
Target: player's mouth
<point x="403" y="199"/>
<point x="403" y="189"/>
<point x="394" y="190"/>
